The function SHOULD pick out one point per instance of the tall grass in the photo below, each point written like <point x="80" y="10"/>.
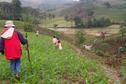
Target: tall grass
<point x="53" y="66"/>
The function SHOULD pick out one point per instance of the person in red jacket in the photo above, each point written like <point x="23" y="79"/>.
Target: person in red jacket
<point x="10" y="44"/>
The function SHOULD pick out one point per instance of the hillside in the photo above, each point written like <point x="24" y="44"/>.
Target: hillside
<point x="116" y="13"/>
<point x="50" y="65"/>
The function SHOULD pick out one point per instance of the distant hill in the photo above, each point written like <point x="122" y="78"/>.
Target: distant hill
<point x="116" y="13"/>
<point x="41" y="3"/>
<point x="44" y="4"/>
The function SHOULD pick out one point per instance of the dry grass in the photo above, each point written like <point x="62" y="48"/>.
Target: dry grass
<point x="114" y="29"/>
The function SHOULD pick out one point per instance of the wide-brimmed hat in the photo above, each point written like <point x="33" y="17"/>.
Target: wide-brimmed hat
<point x="9" y="23"/>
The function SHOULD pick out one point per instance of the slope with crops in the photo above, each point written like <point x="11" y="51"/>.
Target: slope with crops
<point x="53" y="66"/>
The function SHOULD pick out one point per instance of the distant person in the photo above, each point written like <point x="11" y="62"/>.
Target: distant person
<point x="10" y="44"/>
<point x="37" y="33"/>
<point x="58" y="44"/>
<point x="54" y="40"/>
<point x="103" y="35"/>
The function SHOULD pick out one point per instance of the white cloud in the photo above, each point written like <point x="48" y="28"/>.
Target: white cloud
<point x="5" y="0"/>
<point x="76" y="0"/>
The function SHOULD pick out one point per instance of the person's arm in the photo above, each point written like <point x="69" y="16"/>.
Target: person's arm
<point x="1" y="45"/>
<point x="22" y="39"/>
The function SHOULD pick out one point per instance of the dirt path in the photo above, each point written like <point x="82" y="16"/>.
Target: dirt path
<point x="111" y="73"/>
<point x="113" y="29"/>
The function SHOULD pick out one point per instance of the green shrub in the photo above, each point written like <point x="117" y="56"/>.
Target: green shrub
<point x="52" y="66"/>
<point x="102" y="46"/>
<point x="123" y="31"/>
<point x="99" y="53"/>
<point x="101" y="22"/>
<point x="122" y="49"/>
<point x="78" y="22"/>
<point x="30" y="22"/>
<point x="28" y="27"/>
<point x="123" y="71"/>
<point x="80" y="37"/>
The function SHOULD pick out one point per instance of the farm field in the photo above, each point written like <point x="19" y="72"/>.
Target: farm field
<point x="114" y="29"/>
<point x="92" y="34"/>
<point x="59" y="21"/>
<point x="115" y="14"/>
<point x="52" y="66"/>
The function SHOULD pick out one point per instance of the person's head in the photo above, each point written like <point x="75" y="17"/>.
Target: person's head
<point x="54" y="36"/>
<point x="9" y="23"/>
<point x="59" y="41"/>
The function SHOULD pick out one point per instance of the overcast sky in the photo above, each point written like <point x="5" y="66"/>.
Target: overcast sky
<point x="40" y="1"/>
<point x="37" y="2"/>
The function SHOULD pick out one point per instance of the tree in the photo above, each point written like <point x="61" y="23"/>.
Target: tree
<point x="78" y="22"/>
<point x="16" y="9"/>
<point x="5" y="10"/>
<point x="123" y="31"/>
<point x="80" y="37"/>
<point x="108" y="5"/>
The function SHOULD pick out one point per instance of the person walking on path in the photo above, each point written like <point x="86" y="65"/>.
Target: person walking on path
<point x="10" y="45"/>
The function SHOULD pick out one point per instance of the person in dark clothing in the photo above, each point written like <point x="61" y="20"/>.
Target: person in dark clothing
<point x="10" y="45"/>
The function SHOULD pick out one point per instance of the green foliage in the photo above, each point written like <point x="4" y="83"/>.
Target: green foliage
<point x="123" y="71"/>
<point x="78" y="22"/>
<point x="29" y="22"/>
<point x="16" y="9"/>
<point x="80" y="37"/>
<point x="6" y="11"/>
<point x="10" y="10"/>
<point x="101" y="48"/>
<point x="105" y="46"/>
<point x="52" y="66"/>
<point x="107" y="4"/>
<point x="28" y="27"/>
<point x="123" y="31"/>
<point x="123" y="48"/>
<point x="101" y="22"/>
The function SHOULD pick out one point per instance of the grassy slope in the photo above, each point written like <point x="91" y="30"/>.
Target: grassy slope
<point x="112" y="13"/>
<point x="116" y="15"/>
<point x="52" y="66"/>
<point x="100" y="11"/>
<point x="59" y="21"/>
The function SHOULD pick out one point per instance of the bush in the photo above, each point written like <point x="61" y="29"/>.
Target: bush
<point x="80" y="37"/>
<point x="123" y="31"/>
<point x="29" y="22"/>
<point x="102" y="47"/>
<point x="123" y="49"/>
<point x="102" y="22"/>
<point x="123" y="71"/>
<point x="78" y="22"/>
<point x="99" y="53"/>
<point x="28" y="27"/>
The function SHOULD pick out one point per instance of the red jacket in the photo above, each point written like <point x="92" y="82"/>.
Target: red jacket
<point x="12" y="47"/>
